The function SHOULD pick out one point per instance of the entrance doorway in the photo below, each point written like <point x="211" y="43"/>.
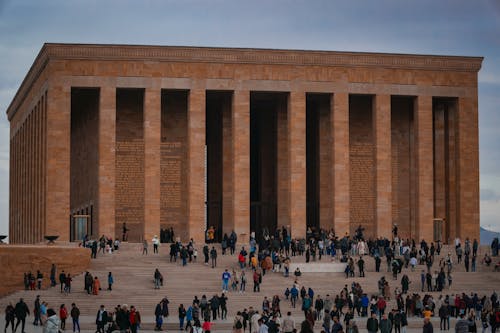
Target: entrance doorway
<point x="268" y="148"/>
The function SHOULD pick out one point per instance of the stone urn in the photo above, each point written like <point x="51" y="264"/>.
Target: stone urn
<point x="51" y="239"/>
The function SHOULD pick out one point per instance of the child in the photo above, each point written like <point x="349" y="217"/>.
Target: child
<point x="287" y="293"/>
<point x="207" y="326"/>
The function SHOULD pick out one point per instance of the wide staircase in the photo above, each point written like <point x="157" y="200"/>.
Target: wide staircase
<point x="133" y="275"/>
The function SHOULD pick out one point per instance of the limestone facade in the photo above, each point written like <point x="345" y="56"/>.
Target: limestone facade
<point x="245" y="140"/>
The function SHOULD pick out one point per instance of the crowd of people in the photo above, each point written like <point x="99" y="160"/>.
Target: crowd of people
<point x="387" y="310"/>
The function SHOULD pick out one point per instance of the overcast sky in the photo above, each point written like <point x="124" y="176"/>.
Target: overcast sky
<point x="449" y="27"/>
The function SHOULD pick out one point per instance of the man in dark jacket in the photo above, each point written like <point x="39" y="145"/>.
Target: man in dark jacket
<point x="372" y="323"/>
<point x="101" y="319"/>
<point x="123" y="318"/>
<point x="36" y="312"/>
<point x="21" y="310"/>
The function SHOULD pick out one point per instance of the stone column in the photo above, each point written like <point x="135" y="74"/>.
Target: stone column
<point x="297" y="162"/>
<point x="468" y="167"/>
<point x="383" y="165"/>
<point x="241" y="164"/>
<point x="152" y="141"/>
<point x="340" y="165"/>
<point x="58" y="159"/>
<point x="196" y="165"/>
<point x="106" y="167"/>
<point x="424" y="169"/>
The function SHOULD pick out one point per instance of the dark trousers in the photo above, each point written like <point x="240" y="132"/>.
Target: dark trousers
<point x="100" y="326"/>
<point x="76" y="323"/>
<point x="23" y="321"/>
<point x="11" y="322"/>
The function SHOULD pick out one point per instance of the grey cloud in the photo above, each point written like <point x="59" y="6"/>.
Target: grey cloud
<point x="487" y="194"/>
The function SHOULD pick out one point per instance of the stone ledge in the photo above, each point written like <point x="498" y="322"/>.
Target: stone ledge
<point x="317" y="267"/>
<point x="18" y="259"/>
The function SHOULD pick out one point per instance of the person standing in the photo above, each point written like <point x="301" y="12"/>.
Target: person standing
<point x="156" y="244"/>
<point x="361" y="267"/>
<point x="226" y="276"/>
<point x="111" y="280"/>
<point x="135" y="319"/>
<point x="213" y="256"/>
<point x="62" y="280"/>
<point x="63" y="314"/>
<point x="145" y="247"/>
<point x="158" y="317"/>
<point x="427" y="326"/>
<point x="75" y="317"/>
<point x="124" y="232"/>
<point x="96" y="286"/>
<point x="372" y="323"/>
<point x="53" y="275"/>
<point x="206" y="253"/>
<point x="101" y="319"/>
<point x="67" y="284"/>
<point x="386" y="325"/>
<point x="10" y="315"/>
<point x="157" y="278"/>
<point x="256" y="281"/>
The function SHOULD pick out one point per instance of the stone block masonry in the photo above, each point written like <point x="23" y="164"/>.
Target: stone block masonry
<point x="396" y="142"/>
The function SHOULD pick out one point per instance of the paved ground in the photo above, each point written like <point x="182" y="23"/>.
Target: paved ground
<point x="134" y="286"/>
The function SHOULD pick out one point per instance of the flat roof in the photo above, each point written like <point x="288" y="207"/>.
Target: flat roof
<point x="110" y="52"/>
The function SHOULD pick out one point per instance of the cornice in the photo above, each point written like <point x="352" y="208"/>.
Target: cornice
<point x="238" y="56"/>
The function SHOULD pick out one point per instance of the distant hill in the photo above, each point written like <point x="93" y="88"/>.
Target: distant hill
<point x="487" y="236"/>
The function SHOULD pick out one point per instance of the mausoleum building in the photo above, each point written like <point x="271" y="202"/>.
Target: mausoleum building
<point x="244" y="140"/>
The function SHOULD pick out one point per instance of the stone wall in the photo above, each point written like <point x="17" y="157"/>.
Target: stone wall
<point x="17" y="259"/>
<point x="173" y="162"/>
<point x="403" y="205"/>
<point x="130" y="162"/>
<point x="361" y="155"/>
<point x="84" y="153"/>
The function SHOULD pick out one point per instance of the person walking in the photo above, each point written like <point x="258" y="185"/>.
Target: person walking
<point x="75" y="316"/>
<point x="182" y="315"/>
<point x="145" y="247"/>
<point x="10" y="315"/>
<point x="101" y="319"/>
<point x="158" y="317"/>
<point x="51" y="325"/>
<point x="289" y="323"/>
<point x="111" y="280"/>
<point x="36" y="311"/>
<point x="238" y="323"/>
<point x="157" y="278"/>
<point x="21" y="311"/>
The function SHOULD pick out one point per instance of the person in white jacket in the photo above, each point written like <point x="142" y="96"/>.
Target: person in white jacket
<point x="52" y="323"/>
<point x="156" y="244"/>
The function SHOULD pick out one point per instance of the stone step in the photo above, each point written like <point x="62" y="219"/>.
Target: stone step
<point x="133" y="274"/>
